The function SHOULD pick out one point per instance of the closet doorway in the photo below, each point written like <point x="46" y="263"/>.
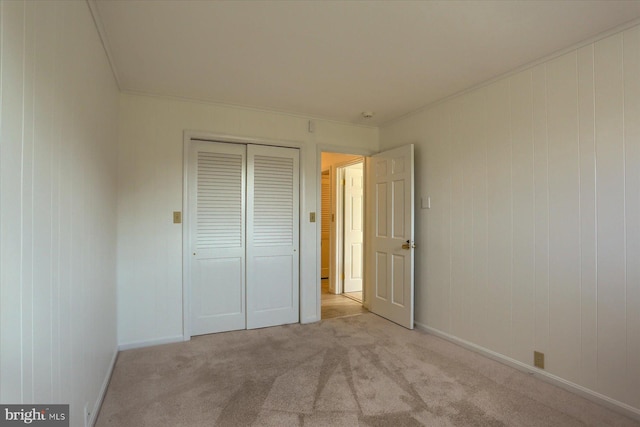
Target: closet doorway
<point x="243" y="236"/>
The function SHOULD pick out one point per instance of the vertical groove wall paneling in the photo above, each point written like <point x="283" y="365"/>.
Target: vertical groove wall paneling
<point x="499" y="217"/>
<point x="436" y="297"/>
<point x="588" y="254"/>
<point x="523" y="315"/>
<point x="541" y="210"/>
<point x="555" y="171"/>
<point x="631" y="57"/>
<point x="468" y="180"/>
<point x="478" y="183"/>
<point x="610" y="210"/>
<point x="564" y="232"/>
<point x="29" y="346"/>
<point x="457" y="223"/>
<point x="58" y="126"/>
<point x="12" y="100"/>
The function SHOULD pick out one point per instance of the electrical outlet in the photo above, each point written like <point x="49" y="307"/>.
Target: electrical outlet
<point x="538" y="359"/>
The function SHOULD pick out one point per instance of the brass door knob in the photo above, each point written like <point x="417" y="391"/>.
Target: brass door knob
<point x="408" y="245"/>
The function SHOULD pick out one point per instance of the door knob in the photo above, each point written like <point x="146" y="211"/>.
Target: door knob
<point x="408" y="245"/>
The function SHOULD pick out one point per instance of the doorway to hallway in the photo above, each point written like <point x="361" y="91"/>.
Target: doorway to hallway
<point x="338" y="305"/>
<point x="390" y="257"/>
<point x="342" y="235"/>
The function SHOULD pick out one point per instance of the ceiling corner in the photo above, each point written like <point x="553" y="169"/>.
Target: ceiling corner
<point x="95" y="13"/>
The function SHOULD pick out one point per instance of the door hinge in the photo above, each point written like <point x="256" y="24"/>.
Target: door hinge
<point x="342" y="276"/>
<point x="344" y="182"/>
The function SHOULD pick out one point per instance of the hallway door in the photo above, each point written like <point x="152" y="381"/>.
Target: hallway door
<point x="353" y="227"/>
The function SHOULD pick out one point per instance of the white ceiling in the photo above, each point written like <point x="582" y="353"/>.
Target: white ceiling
<point x="335" y="59"/>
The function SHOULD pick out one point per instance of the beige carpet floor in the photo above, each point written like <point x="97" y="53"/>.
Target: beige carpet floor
<point x="350" y="371"/>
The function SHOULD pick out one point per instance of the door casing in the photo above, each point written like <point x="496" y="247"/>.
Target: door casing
<point x="327" y="148"/>
<point x="367" y="288"/>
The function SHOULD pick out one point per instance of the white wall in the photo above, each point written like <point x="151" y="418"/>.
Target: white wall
<point x="533" y="238"/>
<point x="58" y="133"/>
<point x="150" y="189"/>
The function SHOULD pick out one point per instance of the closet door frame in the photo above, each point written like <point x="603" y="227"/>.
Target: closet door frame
<point x="186" y="244"/>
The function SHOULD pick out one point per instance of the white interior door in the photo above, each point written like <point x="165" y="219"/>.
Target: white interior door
<point x="390" y="258"/>
<point x="272" y="236"/>
<point x="217" y="236"/>
<point x="353" y="227"/>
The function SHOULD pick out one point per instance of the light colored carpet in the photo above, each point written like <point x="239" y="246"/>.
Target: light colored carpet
<point x="358" y="370"/>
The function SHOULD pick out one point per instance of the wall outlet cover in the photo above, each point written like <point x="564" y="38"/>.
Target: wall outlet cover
<point x="538" y="359"/>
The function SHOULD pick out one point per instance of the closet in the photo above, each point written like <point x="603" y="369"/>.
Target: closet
<point x="243" y="231"/>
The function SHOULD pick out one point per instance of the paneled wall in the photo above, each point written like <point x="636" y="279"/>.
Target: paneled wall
<point x="150" y="189"/>
<point x="532" y="241"/>
<point x="58" y="140"/>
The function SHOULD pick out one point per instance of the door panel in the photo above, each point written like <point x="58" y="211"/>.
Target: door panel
<point x="390" y="266"/>
<point x="217" y="236"/>
<point x="272" y="236"/>
<point x="381" y="212"/>
<point x="216" y="300"/>
<point x="353" y="232"/>
<point x="277" y="295"/>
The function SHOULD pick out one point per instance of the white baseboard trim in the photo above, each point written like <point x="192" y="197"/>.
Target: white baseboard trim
<point x="103" y="390"/>
<point x="589" y="394"/>
<point x="150" y="343"/>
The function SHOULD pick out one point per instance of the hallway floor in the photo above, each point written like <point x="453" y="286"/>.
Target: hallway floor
<point x="338" y="305"/>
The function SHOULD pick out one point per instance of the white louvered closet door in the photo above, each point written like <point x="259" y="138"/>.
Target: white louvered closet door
<point x="272" y="236"/>
<point x="217" y="235"/>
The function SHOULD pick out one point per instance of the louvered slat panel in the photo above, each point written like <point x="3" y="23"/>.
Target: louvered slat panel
<point x="326" y="206"/>
<point x="273" y="201"/>
<point x="219" y="201"/>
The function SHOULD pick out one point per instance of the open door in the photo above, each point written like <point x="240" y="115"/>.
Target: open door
<point x="353" y="221"/>
<point x="390" y="258"/>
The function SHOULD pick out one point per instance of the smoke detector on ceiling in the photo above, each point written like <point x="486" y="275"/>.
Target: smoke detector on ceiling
<point x="367" y="114"/>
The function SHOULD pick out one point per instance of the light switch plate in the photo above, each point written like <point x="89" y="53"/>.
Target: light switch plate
<point x="425" y="202"/>
<point x="312" y="217"/>
<point x="177" y="217"/>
